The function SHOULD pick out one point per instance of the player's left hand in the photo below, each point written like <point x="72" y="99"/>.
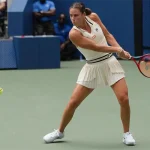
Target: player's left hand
<point x="125" y="55"/>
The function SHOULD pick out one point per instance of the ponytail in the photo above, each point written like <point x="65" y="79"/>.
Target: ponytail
<point x="88" y="11"/>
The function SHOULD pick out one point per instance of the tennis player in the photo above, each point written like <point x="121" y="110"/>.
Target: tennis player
<point x="101" y="69"/>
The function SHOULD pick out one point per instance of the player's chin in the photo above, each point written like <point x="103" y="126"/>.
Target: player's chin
<point x="74" y="23"/>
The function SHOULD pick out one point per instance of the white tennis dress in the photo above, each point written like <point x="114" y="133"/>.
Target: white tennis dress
<point x="97" y="73"/>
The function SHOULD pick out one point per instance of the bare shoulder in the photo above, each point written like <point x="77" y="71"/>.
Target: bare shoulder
<point x="74" y="34"/>
<point x="94" y="17"/>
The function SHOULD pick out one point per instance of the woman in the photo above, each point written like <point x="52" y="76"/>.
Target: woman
<point x="91" y="37"/>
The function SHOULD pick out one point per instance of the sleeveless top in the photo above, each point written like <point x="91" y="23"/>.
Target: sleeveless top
<point x="96" y="35"/>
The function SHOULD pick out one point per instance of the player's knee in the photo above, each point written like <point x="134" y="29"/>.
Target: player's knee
<point x="123" y="99"/>
<point x="74" y="103"/>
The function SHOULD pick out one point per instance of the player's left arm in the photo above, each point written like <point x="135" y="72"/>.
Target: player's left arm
<point x="109" y="37"/>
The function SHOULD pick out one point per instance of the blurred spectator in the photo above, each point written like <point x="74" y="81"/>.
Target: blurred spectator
<point x="43" y="10"/>
<point x="3" y="15"/>
<point x="62" y="30"/>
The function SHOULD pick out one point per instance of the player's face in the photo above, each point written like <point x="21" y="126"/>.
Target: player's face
<point x="76" y="16"/>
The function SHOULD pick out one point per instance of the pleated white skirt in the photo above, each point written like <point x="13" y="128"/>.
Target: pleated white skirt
<point x="100" y="74"/>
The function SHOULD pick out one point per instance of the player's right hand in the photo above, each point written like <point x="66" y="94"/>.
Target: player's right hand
<point x="125" y="55"/>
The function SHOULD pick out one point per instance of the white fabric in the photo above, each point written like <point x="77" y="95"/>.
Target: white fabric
<point x="103" y="73"/>
<point x="100" y="74"/>
<point x="1" y="1"/>
<point x="96" y="35"/>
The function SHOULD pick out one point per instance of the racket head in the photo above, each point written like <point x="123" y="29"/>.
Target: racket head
<point x="144" y="65"/>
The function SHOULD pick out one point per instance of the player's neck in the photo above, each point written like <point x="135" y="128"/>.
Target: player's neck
<point x="84" y="26"/>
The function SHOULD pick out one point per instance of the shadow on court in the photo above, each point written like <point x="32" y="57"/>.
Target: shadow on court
<point x="92" y="145"/>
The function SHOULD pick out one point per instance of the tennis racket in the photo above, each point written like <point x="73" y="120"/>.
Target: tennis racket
<point x="143" y="64"/>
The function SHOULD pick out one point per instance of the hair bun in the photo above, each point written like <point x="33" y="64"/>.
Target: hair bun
<point x="88" y="11"/>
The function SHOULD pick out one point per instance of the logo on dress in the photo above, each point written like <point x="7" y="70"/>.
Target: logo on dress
<point x="94" y="36"/>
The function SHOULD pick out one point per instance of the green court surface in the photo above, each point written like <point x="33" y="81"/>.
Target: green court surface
<point x="33" y="101"/>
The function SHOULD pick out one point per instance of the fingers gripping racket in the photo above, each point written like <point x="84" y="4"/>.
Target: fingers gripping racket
<point x="143" y="64"/>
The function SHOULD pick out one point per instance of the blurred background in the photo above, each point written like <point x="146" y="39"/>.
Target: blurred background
<point x="28" y="41"/>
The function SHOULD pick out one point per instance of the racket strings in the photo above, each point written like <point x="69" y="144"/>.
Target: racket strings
<point x="145" y="65"/>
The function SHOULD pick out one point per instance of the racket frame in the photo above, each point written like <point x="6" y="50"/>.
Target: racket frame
<point x="135" y="58"/>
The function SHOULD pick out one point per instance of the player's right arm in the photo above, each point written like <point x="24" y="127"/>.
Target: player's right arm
<point x="79" y="40"/>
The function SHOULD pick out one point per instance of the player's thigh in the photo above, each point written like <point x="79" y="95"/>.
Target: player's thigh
<point x="79" y="94"/>
<point x="120" y="89"/>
